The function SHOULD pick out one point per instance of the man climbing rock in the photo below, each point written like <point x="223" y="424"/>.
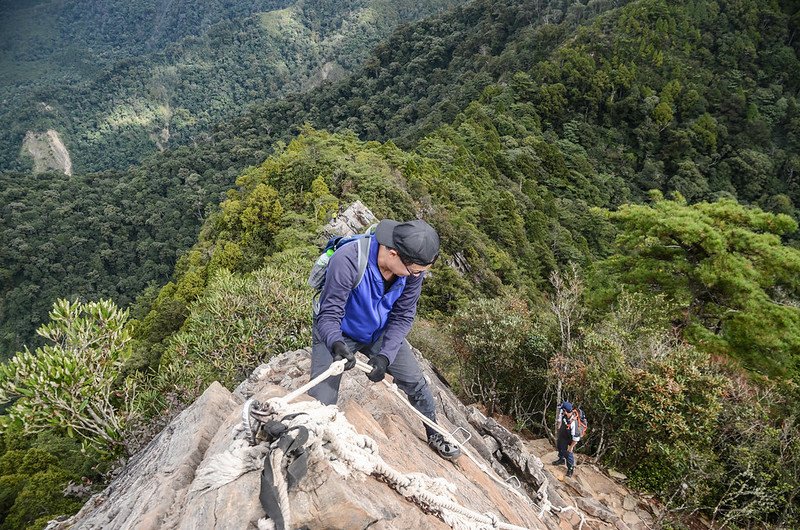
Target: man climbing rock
<point x="372" y="312"/>
<point x="567" y="436"/>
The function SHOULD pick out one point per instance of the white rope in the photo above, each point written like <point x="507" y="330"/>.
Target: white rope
<point x="360" y="453"/>
<point x="573" y="509"/>
<point x="326" y="425"/>
<point x="433" y="425"/>
<point x="266" y="524"/>
<point x="224" y="468"/>
<point x="335" y="368"/>
<point x="542" y="494"/>
<point x="330" y="431"/>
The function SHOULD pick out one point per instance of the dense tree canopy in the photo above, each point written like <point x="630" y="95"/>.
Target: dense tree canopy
<point x="733" y="283"/>
<point x="616" y="151"/>
<point x="165" y="83"/>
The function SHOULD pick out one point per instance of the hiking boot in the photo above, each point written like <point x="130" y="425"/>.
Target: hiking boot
<point x="445" y="449"/>
<point x="559" y="462"/>
<point x="570" y="470"/>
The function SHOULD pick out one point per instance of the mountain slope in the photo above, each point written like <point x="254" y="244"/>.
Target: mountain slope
<point x="47" y="46"/>
<point x="656" y="317"/>
<point x="620" y="112"/>
<point x="185" y="73"/>
<point x="194" y="179"/>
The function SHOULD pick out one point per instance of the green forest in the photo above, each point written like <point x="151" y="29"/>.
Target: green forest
<point x="162" y="78"/>
<point x="615" y="186"/>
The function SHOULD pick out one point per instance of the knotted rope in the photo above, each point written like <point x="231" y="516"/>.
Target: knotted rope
<point x="361" y="453"/>
<point x="329" y="431"/>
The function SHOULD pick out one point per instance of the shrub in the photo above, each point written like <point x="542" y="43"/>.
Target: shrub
<point x="37" y="460"/>
<point x="500" y="351"/>
<point x="10" y="461"/>
<point x="242" y="320"/>
<point x="432" y="339"/>
<point x="71" y="384"/>
<point x="10" y="486"/>
<point x="758" y="441"/>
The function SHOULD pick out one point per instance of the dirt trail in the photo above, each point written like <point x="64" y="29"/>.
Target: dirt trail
<point x="595" y="493"/>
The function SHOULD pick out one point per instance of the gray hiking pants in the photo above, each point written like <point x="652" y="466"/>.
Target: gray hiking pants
<point x="405" y="370"/>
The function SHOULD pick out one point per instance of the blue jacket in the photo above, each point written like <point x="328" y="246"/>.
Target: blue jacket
<point x="366" y="311"/>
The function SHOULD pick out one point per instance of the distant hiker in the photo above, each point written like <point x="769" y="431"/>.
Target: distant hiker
<point x="371" y="311"/>
<point x="568" y="436"/>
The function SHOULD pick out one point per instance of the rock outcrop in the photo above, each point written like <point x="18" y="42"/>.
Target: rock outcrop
<point x="161" y="486"/>
<point x="353" y="220"/>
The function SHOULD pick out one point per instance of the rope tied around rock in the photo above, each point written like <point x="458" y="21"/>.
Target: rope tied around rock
<point x="361" y="452"/>
<point x="330" y="432"/>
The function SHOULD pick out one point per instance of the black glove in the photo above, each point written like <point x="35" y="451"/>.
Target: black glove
<point x="379" y="363"/>
<point x="341" y="351"/>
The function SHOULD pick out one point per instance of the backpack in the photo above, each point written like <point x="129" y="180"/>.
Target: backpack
<point x="316" y="278"/>
<point x="583" y="426"/>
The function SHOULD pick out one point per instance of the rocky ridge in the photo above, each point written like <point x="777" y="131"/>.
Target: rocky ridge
<point x="159" y="487"/>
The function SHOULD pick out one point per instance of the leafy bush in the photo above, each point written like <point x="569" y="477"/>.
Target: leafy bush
<point x="685" y="425"/>
<point x="240" y="321"/>
<point x="10" y="486"/>
<point x="501" y="353"/>
<point x="72" y="456"/>
<point x="432" y="338"/>
<point x="733" y="284"/>
<point x="45" y="457"/>
<point x="758" y="443"/>
<point x="11" y="461"/>
<point x="71" y="384"/>
<point x="37" y="460"/>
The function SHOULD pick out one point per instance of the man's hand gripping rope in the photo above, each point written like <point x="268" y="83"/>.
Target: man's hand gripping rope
<point x="337" y="367"/>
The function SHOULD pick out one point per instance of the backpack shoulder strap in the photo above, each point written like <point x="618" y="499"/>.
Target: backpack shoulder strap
<point x="363" y="258"/>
